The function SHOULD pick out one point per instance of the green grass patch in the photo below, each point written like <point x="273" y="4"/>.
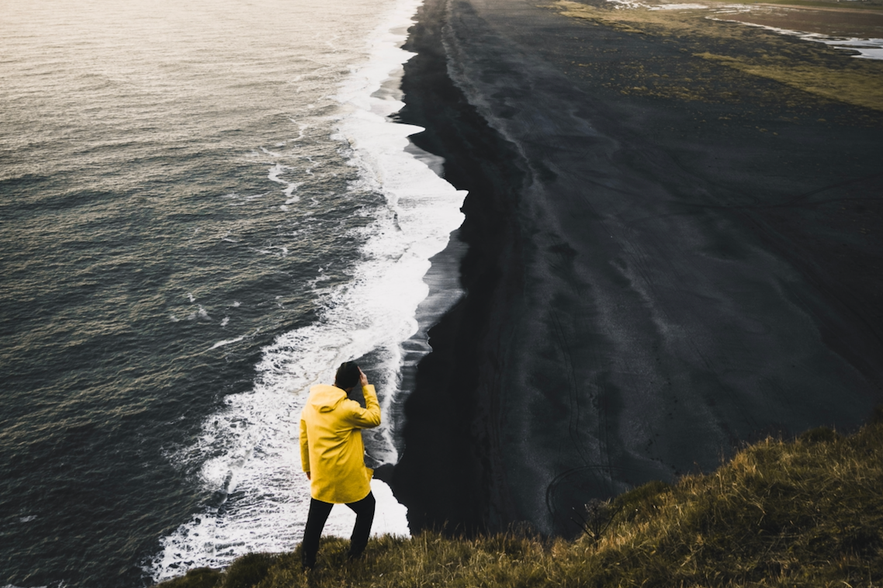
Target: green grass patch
<point x="806" y="512"/>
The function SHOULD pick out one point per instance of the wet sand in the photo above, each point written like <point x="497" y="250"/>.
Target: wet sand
<point x="652" y="278"/>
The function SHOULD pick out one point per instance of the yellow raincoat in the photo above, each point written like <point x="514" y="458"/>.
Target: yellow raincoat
<point x="331" y="448"/>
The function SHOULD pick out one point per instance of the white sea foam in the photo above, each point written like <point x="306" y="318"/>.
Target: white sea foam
<point x="227" y="341"/>
<point x="248" y="453"/>
<point x="274" y="175"/>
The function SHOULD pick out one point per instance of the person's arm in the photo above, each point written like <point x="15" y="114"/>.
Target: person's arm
<point x="304" y="448"/>
<point x="368" y="417"/>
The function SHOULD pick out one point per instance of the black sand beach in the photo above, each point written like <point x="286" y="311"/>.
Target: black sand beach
<point x="668" y="256"/>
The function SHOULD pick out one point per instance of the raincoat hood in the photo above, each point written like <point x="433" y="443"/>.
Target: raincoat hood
<point x="326" y="398"/>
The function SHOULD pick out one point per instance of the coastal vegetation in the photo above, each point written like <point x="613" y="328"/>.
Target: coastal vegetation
<point x="727" y="62"/>
<point x="801" y="512"/>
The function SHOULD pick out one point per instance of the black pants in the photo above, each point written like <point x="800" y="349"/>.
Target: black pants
<point x="319" y="512"/>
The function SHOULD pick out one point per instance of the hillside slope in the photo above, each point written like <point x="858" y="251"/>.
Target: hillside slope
<point x="807" y="512"/>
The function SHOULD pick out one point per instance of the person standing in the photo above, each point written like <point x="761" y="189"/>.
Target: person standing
<point x="333" y="457"/>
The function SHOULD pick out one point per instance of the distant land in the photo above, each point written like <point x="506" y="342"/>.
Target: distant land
<point x="820" y="73"/>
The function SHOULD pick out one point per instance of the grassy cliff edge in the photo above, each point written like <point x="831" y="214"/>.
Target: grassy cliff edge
<point x="805" y="512"/>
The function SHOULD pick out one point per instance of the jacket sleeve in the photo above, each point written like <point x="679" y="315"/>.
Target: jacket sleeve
<point x="368" y="417"/>
<point x="304" y="447"/>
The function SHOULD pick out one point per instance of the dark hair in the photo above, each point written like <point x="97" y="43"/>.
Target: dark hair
<point x="347" y="375"/>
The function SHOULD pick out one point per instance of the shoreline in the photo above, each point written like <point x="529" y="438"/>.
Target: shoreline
<point x="651" y="280"/>
<point x="441" y="476"/>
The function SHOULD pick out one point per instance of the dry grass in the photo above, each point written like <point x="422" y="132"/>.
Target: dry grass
<point x="808" y="512"/>
<point x="852" y="87"/>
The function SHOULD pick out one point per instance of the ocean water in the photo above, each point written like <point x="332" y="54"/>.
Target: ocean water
<point x="204" y="210"/>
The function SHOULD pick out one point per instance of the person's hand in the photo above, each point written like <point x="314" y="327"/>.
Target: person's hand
<point x="308" y="476"/>
<point x="363" y="379"/>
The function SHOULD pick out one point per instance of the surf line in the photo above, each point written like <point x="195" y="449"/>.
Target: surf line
<point x="248" y="451"/>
